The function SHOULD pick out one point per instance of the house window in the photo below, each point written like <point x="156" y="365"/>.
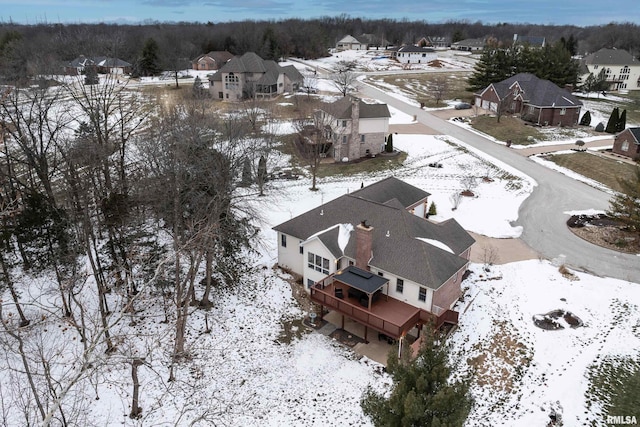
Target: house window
<point x="310" y="283"/>
<point x="625" y="146"/>
<point x="563" y="111"/>
<point x="231" y="82"/>
<point x="301" y="250"/>
<point x="220" y="95"/>
<point x="362" y="138"/>
<point x="380" y="274"/>
<point x="351" y="262"/>
<point x="283" y="240"/>
<point x="344" y="123"/>
<point x="318" y="263"/>
<point x="344" y="139"/>
<point x="422" y="296"/>
<point x="531" y="108"/>
<point x="399" y="285"/>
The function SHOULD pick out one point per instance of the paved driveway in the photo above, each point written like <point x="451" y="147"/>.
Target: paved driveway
<point x="542" y="215"/>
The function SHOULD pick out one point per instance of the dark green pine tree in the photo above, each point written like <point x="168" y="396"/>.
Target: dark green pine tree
<point x="493" y="66"/>
<point x="90" y="75"/>
<point x="432" y="209"/>
<point x="149" y="59"/>
<point x="422" y="394"/>
<point x="622" y="121"/>
<point x="586" y="119"/>
<point x="389" y="145"/>
<point x="612" y="124"/>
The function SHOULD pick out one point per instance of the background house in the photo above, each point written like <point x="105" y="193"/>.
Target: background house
<point x="532" y="41"/>
<point x="621" y="69"/>
<point x="415" y="55"/>
<point x="436" y="42"/>
<point x="627" y="143"/>
<point x="396" y="257"/>
<point x="103" y="65"/>
<point x="212" y="61"/>
<point x="470" y="45"/>
<point x="355" y="128"/>
<point x="536" y="100"/>
<point x="250" y="76"/>
<point x="349" y="42"/>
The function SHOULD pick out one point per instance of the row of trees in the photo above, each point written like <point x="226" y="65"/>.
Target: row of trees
<point x="41" y="49"/>
<point x="552" y="62"/>
<point x="112" y="201"/>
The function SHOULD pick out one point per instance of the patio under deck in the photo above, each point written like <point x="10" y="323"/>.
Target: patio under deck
<point x="388" y="315"/>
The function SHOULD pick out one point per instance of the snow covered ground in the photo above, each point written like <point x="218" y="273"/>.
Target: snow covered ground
<point x="260" y="365"/>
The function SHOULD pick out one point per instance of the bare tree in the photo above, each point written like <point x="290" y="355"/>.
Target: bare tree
<point x="455" y="198"/>
<point x="344" y="81"/>
<point x="439" y="88"/>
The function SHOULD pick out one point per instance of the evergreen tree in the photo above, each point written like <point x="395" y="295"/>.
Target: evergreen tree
<point x="199" y="92"/>
<point x="457" y="36"/>
<point x="625" y="205"/>
<point x="149" y="58"/>
<point x="389" y="146"/>
<point x="432" y="209"/>
<point x="246" y="173"/>
<point x="612" y="124"/>
<point x="422" y="393"/>
<point x="90" y="75"/>
<point x="586" y="119"/>
<point x="622" y="121"/>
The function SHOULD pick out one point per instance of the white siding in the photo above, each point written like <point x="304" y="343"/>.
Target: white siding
<point x="316" y="247"/>
<point x="409" y="293"/>
<point x="289" y="257"/>
<point x="380" y="125"/>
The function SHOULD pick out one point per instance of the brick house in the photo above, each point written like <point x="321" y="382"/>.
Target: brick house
<point x="373" y="257"/>
<point x="354" y="128"/>
<point x="535" y="100"/>
<point x="627" y="143"/>
<point x="211" y="61"/>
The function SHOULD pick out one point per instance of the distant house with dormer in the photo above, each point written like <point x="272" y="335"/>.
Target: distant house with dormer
<point x="469" y="45"/>
<point x="436" y="42"/>
<point x="102" y="64"/>
<point x="349" y="42"/>
<point x="535" y="100"/>
<point x="621" y="69"/>
<point x="211" y="61"/>
<point x="250" y="76"/>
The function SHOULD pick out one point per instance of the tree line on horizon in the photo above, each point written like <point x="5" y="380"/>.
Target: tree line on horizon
<point x="39" y="49"/>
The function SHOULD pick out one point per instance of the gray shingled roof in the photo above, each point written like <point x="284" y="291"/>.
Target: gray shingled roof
<point x="292" y="72"/>
<point x="392" y="188"/>
<point x="247" y="63"/>
<point x="538" y="92"/>
<point x="396" y="247"/>
<point x="610" y="57"/>
<point x="341" y="109"/>
<point x="220" y="56"/>
<point x="416" y="49"/>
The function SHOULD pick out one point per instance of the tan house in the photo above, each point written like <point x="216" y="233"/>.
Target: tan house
<point x="621" y="69"/>
<point x="373" y="257"/>
<point x="354" y="128"/>
<point x="349" y="42"/>
<point x="535" y="100"/>
<point x="211" y="61"/>
<point x="627" y="143"/>
<point x="250" y="76"/>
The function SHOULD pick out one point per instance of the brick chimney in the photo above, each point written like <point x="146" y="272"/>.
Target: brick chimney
<point x="364" y="245"/>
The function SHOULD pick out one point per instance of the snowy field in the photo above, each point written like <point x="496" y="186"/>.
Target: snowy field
<point x="257" y="364"/>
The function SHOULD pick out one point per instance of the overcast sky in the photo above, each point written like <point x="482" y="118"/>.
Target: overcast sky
<point x="576" y="12"/>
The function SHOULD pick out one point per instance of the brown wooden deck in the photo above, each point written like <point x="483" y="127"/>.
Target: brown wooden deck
<point x="388" y="315"/>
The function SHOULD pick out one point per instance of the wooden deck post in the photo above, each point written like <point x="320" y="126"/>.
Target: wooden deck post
<point x="342" y="322"/>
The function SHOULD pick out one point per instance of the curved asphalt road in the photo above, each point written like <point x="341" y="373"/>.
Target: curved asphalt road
<point x="542" y="214"/>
